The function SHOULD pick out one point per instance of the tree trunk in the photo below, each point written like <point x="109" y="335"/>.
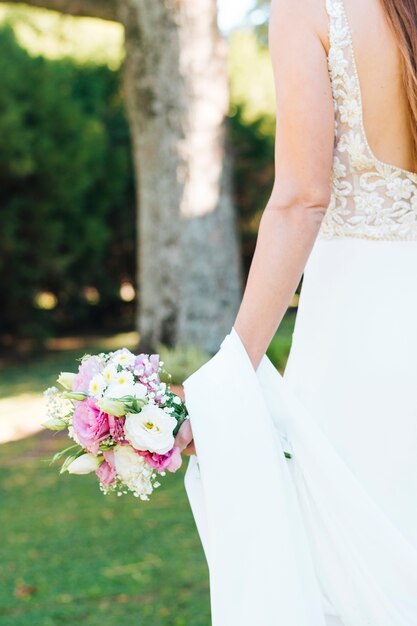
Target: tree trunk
<point x="176" y="87"/>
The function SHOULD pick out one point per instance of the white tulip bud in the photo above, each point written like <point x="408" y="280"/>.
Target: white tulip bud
<point x="74" y="395"/>
<point x="66" y="379"/>
<point x="112" y="406"/>
<point x="84" y="464"/>
<point x="55" y="424"/>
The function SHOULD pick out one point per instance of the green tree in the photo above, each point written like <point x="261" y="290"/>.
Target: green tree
<point x="176" y="88"/>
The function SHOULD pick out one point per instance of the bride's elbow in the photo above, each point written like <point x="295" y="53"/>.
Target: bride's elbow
<point x="305" y="202"/>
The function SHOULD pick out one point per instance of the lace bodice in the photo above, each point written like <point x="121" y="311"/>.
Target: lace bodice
<point x="369" y="198"/>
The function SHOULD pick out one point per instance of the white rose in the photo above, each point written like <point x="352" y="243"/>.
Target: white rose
<point x="137" y="390"/>
<point x="127" y="461"/>
<point x="84" y="464"/>
<point x="133" y="470"/>
<point x="66" y="379"/>
<point x="151" y="429"/>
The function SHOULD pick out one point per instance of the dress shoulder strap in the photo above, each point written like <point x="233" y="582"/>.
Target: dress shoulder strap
<point x="342" y="68"/>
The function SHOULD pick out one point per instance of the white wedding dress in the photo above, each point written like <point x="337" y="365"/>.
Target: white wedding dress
<point x="329" y="537"/>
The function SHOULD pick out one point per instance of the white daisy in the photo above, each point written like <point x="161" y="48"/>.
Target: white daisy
<point x="124" y="378"/>
<point x="110" y="373"/>
<point x="97" y="386"/>
<point x="123" y="357"/>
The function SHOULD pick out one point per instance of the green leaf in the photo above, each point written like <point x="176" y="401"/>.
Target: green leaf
<point x="70" y="459"/>
<point x="58" y="455"/>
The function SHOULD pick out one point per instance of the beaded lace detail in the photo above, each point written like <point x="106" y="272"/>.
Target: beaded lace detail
<point x="369" y="198"/>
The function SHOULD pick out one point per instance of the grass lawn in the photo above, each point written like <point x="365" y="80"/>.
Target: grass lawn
<point x="70" y="555"/>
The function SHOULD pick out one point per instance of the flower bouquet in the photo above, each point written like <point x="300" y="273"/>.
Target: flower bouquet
<point x="123" y="419"/>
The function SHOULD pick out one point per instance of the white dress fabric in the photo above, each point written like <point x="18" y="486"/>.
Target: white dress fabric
<point x="328" y="537"/>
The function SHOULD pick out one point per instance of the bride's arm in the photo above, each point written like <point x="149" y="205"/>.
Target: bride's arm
<point x="303" y="161"/>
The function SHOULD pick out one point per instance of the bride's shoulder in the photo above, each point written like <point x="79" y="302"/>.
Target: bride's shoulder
<point x="297" y="16"/>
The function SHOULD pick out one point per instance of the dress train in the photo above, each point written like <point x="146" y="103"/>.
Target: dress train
<point x="288" y="541"/>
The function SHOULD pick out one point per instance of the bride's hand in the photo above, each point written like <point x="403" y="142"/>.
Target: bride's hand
<point x="184" y="439"/>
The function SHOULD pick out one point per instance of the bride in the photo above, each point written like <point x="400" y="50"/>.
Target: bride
<point x="327" y="537"/>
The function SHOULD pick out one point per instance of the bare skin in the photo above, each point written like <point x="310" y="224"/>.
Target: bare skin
<point x="298" y="45"/>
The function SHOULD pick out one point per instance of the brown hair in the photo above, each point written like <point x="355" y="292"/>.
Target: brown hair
<point x="402" y="15"/>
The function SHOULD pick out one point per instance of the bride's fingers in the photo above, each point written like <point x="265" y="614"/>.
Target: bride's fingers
<point x="184" y="435"/>
<point x="190" y="449"/>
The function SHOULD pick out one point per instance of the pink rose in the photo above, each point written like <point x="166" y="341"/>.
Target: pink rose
<point x="170" y="461"/>
<point x="107" y="471"/>
<point x="88" y="368"/>
<point x="90" y="424"/>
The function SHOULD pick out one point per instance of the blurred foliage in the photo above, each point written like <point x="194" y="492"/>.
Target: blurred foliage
<point x="67" y="199"/>
<point x="67" y="241"/>
<point x="181" y="361"/>
<point x="253" y="173"/>
<point x="260" y="16"/>
<point x="279" y="348"/>
<point x="251" y="80"/>
<point x="54" y="35"/>
<point x="252" y="132"/>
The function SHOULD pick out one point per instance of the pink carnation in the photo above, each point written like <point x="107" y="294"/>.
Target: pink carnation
<point x="170" y="461"/>
<point x="116" y="428"/>
<point x="88" y="368"/>
<point x="90" y="424"/>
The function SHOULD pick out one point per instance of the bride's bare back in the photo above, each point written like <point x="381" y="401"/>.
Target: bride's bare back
<point x="379" y="67"/>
